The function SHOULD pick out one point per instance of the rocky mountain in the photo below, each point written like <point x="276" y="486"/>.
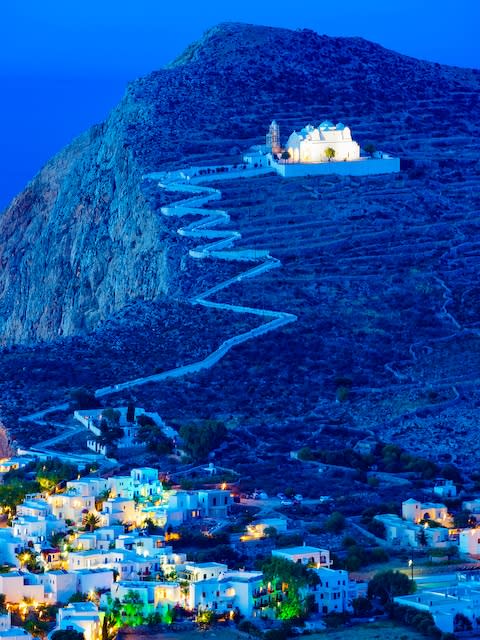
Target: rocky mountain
<point x="83" y="239"/>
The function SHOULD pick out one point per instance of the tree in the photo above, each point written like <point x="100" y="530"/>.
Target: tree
<point x="335" y="523"/>
<point x="201" y="438"/>
<point x="13" y="493"/>
<point x="131" y="412"/>
<point x="461" y="623"/>
<point x="111" y="415"/>
<point x="82" y="398"/>
<point x="369" y="148"/>
<point x="422" y="537"/>
<point x="463" y="519"/>
<point x="296" y="576"/>
<point x="152" y="435"/>
<point x="91" y="521"/>
<point x="51" y="473"/>
<point x="29" y="560"/>
<point x="132" y="609"/>
<point x="388" y="584"/>
<point x="329" y="153"/>
<point x="285" y="155"/>
<point x="361" y="606"/>
<point x="3" y="608"/>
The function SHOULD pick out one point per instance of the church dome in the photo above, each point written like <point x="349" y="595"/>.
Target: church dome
<point x="326" y="124"/>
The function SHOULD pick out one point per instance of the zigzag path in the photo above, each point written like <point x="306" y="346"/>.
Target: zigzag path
<point x="219" y="246"/>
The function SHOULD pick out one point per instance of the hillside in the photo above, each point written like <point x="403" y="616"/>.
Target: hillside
<point x="80" y="242"/>
<point x="380" y="271"/>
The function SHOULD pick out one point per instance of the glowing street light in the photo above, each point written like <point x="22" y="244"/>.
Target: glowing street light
<point x="410" y="564"/>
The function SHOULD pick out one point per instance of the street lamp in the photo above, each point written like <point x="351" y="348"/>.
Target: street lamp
<point x="410" y="564"/>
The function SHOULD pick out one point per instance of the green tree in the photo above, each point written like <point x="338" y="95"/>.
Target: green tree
<point x="329" y="153"/>
<point x="132" y="609"/>
<point x="388" y="584"/>
<point x="463" y="519"/>
<point x="91" y="521"/>
<point x="201" y="438"/>
<point x="281" y="571"/>
<point x="81" y="398"/>
<point x="285" y="155"/>
<point x="130" y="412"/>
<point x="335" y="523"/>
<point x="361" y="606"/>
<point x="50" y="473"/>
<point x="78" y="597"/>
<point x="28" y="559"/>
<point x="462" y="623"/>
<point x="369" y="148"/>
<point x="152" y="435"/>
<point x="305" y="453"/>
<point x="13" y="493"/>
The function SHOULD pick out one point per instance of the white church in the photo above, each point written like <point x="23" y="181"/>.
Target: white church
<point x="325" y="149"/>
<point x="310" y="144"/>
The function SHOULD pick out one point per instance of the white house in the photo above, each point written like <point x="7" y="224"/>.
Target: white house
<point x="83" y="617"/>
<point x="117" y="510"/>
<point x="445" y="603"/>
<point x="10" y="547"/>
<point x="71" y="505"/>
<point x="214" y="503"/>
<point x="17" y="585"/>
<point x="473" y="506"/>
<point x="29" y="529"/>
<point x="225" y="593"/>
<point x="445" y="489"/>
<point x="306" y="555"/>
<point x="34" y="507"/>
<point x="469" y="541"/>
<point x="332" y="591"/>
<point x="92" y="487"/>
<point x="156" y="596"/>
<point x="417" y="511"/>
<point x="92" y="418"/>
<point x="408" y="534"/>
<point x="257" y="528"/>
<point x="90" y="579"/>
<point x="59" y="585"/>
<point x="142" y="483"/>
<point x="147" y="546"/>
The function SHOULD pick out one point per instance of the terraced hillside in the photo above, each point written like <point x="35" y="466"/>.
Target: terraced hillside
<point x="381" y="271"/>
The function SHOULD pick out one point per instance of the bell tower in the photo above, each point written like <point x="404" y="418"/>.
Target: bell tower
<point x="272" y="139"/>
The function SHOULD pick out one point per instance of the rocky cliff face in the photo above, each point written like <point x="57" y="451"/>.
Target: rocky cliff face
<point x="78" y="242"/>
<point x="82" y="240"/>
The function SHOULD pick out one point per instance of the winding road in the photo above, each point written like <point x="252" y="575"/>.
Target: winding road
<point x="219" y="246"/>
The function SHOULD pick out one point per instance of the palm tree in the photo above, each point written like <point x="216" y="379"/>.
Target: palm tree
<point x="91" y="521"/>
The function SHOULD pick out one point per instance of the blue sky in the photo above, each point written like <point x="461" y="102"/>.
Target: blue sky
<point x="64" y="63"/>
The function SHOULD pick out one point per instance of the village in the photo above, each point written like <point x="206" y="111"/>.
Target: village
<point x="93" y="540"/>
<point x="101" y="551"/>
